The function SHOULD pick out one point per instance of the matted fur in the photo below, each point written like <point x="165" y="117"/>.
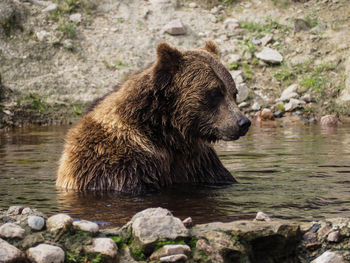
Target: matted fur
<point x="157" y="129"/>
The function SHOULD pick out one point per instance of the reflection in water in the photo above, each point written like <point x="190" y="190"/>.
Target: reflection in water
<point x="301" y="173"/>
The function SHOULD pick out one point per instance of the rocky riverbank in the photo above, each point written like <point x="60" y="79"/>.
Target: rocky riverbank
<point x="287" y="57"/>
<point x="155" y="235"/>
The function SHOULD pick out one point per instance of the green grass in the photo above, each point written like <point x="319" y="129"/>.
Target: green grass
<point x="284" y="74"/>
<point x="69" y="29"/>
<point x="33" y="101"/>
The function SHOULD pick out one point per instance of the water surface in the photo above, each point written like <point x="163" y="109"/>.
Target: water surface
<point x="300" y="173"/>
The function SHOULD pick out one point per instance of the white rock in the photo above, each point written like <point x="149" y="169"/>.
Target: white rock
<point x="42" y="35"/>
<point x="289" y="93"/>
<point x="188" y="222"/>
<point x="173" y="258"/>
<point x="50" y="8"/>
<point x="36" y="222"/>
<point x="266" y="39"/>
<point x="75" y="18"/>
<point x="261" y="216"/>
<point x="243" y="92"/>
<point x="256" y="106"/>
<point x="27" y="211"/>
<point x="243" y="104"/>
<point x="58" y="222"/>
<point x="329" y="257"/>
<point x="307" y="97"/>
<point x="175" y="27"/>
<point x="44" y="253"/>
<point x="169" y="250"/>
<point x="103" y="245"/>
<point x="9" y="253"/>
<point x="192" y="5"/>
<point x="293" y="104"/>
<point x="11" y="230"/>
<point x="86" y="226"/>
<point x="270" y="55"/>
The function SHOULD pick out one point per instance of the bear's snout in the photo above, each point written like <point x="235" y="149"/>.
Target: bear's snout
<point x="243" y="124"/>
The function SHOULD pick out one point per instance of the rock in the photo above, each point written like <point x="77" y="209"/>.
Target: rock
<point x="59" y="222"/>
<point x="329" y="257"/>
<point x="256" y="106"/>
<point x="27" y="211"/>
<point x="243" y="92"/>
<point x="68" y="44"/>
<point x="148" y="229"/>
<point x="76" y="18"/>
<point x="188" y="222"/>
<point x="307" y="97"/>
<point x="301" y="25"/>
<point x="173" y="258"/>
<point x="270" y="55"/>
<point x="44" y="253"/>
<point x="9" y="253"/>
<point x="42" y="35"/>
<point x="293" y="104"/>
<point x="261" y="216"/>
<point x="310" y="237"/>
<point x="202" y="245"/>
<point x="192" y="5"/>
<point x="231" y="24"/>
<point x="11" y="230"/>
<point x="329" y="120"/>
<point x="289" y="93"/>
<point x="15" y="210"/>
<point x="36" y="222"/>
<point x="175" y="27"/>
<point x="266" y="39"/>
<point x="243" y="104"/>
<point x="105" y="246"/>
<point x="50" y="8"/>
<point x="169" y="250"/>
<point x="86" y="226"/>
<point x="333" y="237"/>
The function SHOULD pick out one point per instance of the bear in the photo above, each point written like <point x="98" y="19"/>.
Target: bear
<point x="157" y="128"/>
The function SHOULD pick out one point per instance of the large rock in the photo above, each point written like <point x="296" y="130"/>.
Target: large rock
<point x="152" y="227"/>
<point x="105" y="246"/>
<point x="44" y="253"/>
<point x="11" y="230"/>
<point x="86" y="226"/>
<point x="270" y="55"/>
<point x="58" y="222"/>
<point x="9" y="253"/>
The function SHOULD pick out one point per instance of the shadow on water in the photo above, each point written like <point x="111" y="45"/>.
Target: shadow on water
<point x="299" y="173"/>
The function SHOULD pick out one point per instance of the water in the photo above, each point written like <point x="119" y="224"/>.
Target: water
<point x="300" y="173"/>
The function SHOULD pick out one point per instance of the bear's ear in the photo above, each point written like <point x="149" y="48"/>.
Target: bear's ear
<point x="211" y="47"/>
<point x="168" y="58"/>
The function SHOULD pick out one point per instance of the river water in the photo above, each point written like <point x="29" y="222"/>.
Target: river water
<point x="300" y="173"/>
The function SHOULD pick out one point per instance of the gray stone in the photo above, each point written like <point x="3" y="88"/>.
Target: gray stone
<point x="149" y="229"/>
<point x="256" y="106"/>
<point x="75" y="18"/>
<point x="293" y="104"/>
<point x="150" y="212"/>
<point x="243" y="92"/>
<point x="36" y="222"/>
<point x="103" y="245"/>
<point x="329" y="257"/>
<point x="289" y="93"/>
<point x="261" y="216"/>
<point x="86" y="226"/>
<point x="68" y="44"/>
<point x="256" y="42"/>
<point x="270" y="55"/>
<point x="27" y="211"/>
<point x="175" y="27"/>
<point x="11" y="230"/>
<point x="15" y="210"/>
<point x="266" y="39"/>
<point x="307" y="97"/>
<point x="173" y="258"/>
<point x="44" y="253"/>
<point x="169" y="250"/>
<point x="58" y="222"/>
<point x="50" y="8"/>
<point x="9" y="253"/>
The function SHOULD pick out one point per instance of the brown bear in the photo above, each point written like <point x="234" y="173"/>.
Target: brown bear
<point x="156" y="130"/>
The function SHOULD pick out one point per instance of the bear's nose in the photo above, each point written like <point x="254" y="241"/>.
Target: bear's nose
<point x="243" y="124"/>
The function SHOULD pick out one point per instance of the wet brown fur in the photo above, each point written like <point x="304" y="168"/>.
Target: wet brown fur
<point x="156" y="129"/>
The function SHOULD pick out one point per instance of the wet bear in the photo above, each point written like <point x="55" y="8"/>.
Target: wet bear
<point x="156" y="130"/>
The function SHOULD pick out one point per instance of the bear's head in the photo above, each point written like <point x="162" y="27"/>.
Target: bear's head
<point x="200" y="93"/>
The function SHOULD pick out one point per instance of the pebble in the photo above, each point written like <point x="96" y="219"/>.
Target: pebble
<point x="333" y="237"/>
<point x="44" y="253"/>
<point x="266" y="39"/>
<point x="103" y="245"/>
<point x="270" y="55"/>
<point x="300" y="25"/>
<point x="175" y="27"/>
<point x="75" y="18"/>
<point x="329" y="257"/>
<point x="289" y="93"/>
<point x="261" y="216"/>
<point x="243" y="92"/>
<point x="307" y="97"/>
<point x="50" y="8"/>
<point x="86" y="226"/>
<point x="256" y="106"/>
<point x="11" y="230"/>
<point x="256" y="42"/>
<point x="173" y="258"/>
<point x="329" y="120"/>
<point x="68" y="44"/>
<point x="9" y="253"/>
<point x="243" y="104"/>
<point x="58" y="222"/>
<point x="36" y="222"/>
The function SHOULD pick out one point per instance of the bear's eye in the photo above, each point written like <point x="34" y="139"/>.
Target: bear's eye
<point x="214" y="96"/>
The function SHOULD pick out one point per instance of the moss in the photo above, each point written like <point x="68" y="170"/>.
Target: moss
<point x="138" y="253"/>
<point x="193" y="242"/>
<point x="163" y="243"/>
